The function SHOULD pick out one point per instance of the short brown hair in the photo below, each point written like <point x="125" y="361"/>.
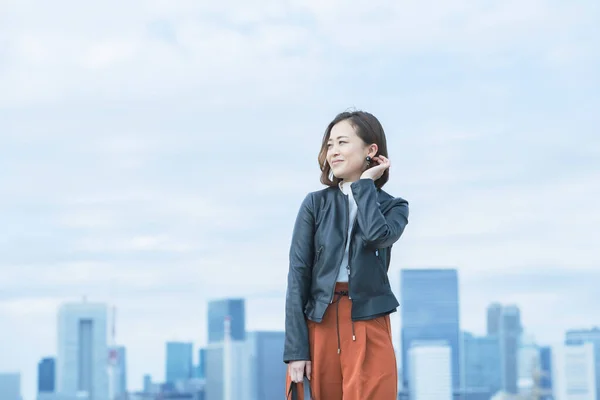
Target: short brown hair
<point x="368" y="128"/>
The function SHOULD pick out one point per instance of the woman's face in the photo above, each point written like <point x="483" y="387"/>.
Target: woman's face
<point x="346" y="152"/>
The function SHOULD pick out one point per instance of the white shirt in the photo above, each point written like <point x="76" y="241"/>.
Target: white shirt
<point x="345" y="188"/>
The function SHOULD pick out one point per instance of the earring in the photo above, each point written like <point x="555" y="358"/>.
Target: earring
<point x="368" y="160"/>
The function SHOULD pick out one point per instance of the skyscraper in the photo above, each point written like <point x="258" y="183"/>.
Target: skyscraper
<point x="120" y="377"/>
<point x="201" y="373"/>
<point x="494" y="312"/>
<point x="546" y="372"/>
<point x="505" y="322"/>
<point x="10" y="386"/>
<point x="267" y="376"/>
<point x="234" y="311"/>
<point x="82" y="350"/>
<point x="46" y="375"/>
<point x="218" y="310"/>
<point x="430" y="376"/>
<point x="147" y="383"/>
<point x="430" y="311"/>
<point x="573" y="374"/>
<point x="179" y="361"/>
<point x="588" y="336"/>
<point x="240" y="372"/>
<point x="528" y="365"/>
<point x="481" y="363"/>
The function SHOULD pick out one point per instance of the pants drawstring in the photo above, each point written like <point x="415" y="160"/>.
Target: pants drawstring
<point x="337" y="318"/>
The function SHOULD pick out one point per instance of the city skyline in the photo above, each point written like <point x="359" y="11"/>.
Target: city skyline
<point x="137" y="384"/>
<point x="155" y="158"/>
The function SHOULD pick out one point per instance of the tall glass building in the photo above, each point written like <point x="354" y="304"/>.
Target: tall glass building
<point x="592" y="336"/>
<point x="505" y="322"/>
<point x="218" y="310"/>
<point x="10" y="386"/>
<point x="256" y="368"/>
<point x="546" y="372"/>
<point x="201" y="369"/>
<point x="430" y="371"/>
<point x="82" y="350"/>
<point x="481" y="363"/>
<point x="573" y="371"/>
<point x="430" y="311"/>
<point x="240" y="371"/>
<point x="120" y="378"/>
<point x="179" y="362"/>
<point x="46" y="375"/>
<point x="267" y="372"/>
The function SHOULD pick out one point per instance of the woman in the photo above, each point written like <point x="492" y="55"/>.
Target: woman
<point x="338" y="301"/>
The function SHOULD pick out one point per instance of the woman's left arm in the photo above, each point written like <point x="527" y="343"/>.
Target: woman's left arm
<point x="379" y="231"/>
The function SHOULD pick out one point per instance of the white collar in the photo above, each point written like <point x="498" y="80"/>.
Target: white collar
<point x="345" y="187"/>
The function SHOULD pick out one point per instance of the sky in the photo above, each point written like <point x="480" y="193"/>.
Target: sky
<point x="154" y="156"/>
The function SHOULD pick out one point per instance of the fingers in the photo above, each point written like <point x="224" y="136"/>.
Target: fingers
<point x="297" y="373"/>
<point x="298" y="370"/>
<point x="382" y="161"/>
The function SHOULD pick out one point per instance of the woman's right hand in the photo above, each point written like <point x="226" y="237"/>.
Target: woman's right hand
<point x="298" y="369"/>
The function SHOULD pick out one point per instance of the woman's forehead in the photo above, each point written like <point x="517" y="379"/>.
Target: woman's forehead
<point x="342" y="129"/>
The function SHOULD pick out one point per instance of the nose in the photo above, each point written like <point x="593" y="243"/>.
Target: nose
<point x="334" y="151"/>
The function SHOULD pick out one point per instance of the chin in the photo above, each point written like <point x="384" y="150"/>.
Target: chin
<point x="338" y="174"/>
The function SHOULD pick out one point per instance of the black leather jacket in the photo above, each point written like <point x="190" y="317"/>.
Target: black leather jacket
<point x="316" y="252"/>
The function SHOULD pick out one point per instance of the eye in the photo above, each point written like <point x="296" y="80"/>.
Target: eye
<point x="342" y="141"/>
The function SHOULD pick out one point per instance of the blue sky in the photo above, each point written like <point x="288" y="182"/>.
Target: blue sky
<point x="155" y="155"/>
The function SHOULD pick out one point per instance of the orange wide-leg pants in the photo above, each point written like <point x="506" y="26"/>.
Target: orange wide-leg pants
<point x="351" y="360"/>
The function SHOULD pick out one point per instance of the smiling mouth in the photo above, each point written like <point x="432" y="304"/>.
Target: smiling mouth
<point x="336" y="162"/>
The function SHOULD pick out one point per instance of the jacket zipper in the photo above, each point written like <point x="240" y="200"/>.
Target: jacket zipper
<point x="350" y="257"/>
<point x="337" y="270"/>
<point x="318" y="255"/>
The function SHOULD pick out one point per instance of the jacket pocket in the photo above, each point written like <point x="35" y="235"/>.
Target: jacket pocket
<point x="318" y="255"/>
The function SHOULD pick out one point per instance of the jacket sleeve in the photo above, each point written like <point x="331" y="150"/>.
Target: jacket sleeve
<point x="296" y="345"/>
<point x="379" y="230"/>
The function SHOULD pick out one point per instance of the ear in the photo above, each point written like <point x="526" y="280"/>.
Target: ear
<point x="373" y="149"/>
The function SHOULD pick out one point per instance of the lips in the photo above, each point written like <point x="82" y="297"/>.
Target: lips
<point x="334" y="162"/>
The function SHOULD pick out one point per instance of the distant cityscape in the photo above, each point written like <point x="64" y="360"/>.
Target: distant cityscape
<point x="437" y="360"/>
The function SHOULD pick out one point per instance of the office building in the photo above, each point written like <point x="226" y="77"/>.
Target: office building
<point x="574" y="372"/>
<point x="46" y="375"/>
<point x="179" y="362"/>
<point x="10" y="386"/>
<point x="430" y="371"/>
<point x="494" y="314"/>
<point x="218" y="310"/>
<point x="147" y="383"/>
<point x="81" y="364"/>
<point x="119" y="384"/>
<point x="529" y="367"/>
<point x="578" y="336"/>
<point x="430" y="312"/>
<point x="201" y="369"/>
<point x="545" y="378"/>
<point x="267" y="375"/>
<point x="481" y="364"/>
<point x="239" y="378"/>
<point x="505" y="322"/>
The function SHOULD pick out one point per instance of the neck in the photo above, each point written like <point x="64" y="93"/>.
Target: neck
<point x="351" y="179"/>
